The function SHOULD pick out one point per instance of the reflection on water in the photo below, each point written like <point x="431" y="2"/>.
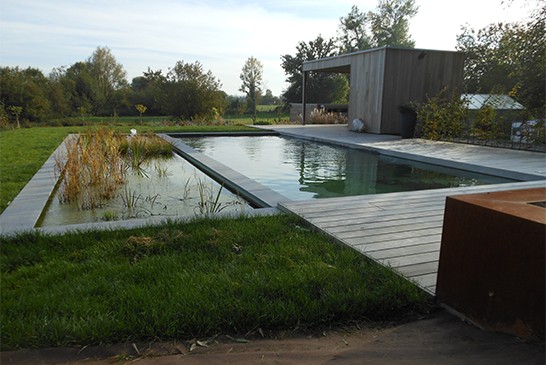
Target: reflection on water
<point x="301" y="169"/>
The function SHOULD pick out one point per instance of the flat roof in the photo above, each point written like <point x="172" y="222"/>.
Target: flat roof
<point x="342" y="63"/>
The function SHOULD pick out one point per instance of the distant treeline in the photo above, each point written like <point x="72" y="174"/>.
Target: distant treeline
<point x="98" y="86"/>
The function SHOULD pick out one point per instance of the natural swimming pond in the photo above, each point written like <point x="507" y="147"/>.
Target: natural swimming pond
<point x="300" y="169"/>
<point x="170" y="188"/>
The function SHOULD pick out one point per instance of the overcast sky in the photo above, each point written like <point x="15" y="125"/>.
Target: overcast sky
<point x="219" y="34"/>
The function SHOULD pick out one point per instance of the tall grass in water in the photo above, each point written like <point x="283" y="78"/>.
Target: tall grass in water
<point x="97" y="163"/>
<point x="94" y="169"/>
<point x="137" y="149"/>
<point x="209" y="201"/>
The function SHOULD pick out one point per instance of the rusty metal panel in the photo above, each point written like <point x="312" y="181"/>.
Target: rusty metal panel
<point x="492" y="260"/>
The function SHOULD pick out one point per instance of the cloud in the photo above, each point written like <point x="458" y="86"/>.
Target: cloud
<point x="219" y="34"/>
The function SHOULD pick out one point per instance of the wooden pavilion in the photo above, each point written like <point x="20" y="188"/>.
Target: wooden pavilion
<point x="383" y="78"/>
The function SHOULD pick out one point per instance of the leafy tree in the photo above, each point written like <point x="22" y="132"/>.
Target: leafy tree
<point x="235" y="104"/>
<point x="59" y="96"/>
<point x="147" y="90"/>
<point x="109" y="78"/>
<point x="191" y="93"/>
<point x="78" y="84"/>
<point x="269" y="99"/>
<point x="141" y="110"/>
<point x="16" y="111"/>
<point x="508" y="57"/>
<point x="390" y="23"/>
<point x="322" y="87"/>
<point x="27" y="89"/>
<point x="251" y="76"/>
<point x="353" y="34"/>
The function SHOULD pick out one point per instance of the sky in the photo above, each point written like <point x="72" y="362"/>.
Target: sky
<point x="221" y="35"/>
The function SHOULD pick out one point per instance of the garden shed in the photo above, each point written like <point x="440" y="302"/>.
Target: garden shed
<point x="383" y="78"/>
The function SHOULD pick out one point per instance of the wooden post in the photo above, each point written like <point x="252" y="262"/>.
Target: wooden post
<point x="304" y="96"/>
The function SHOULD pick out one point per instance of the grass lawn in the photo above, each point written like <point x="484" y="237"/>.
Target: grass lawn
<point x="188" y="280"/>
<point x="176" y="281"/>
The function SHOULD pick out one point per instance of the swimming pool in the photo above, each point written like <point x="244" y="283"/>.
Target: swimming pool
<point x="301" y="169"/>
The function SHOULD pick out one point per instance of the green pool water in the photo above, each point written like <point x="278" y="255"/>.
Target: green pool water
<point x="300" y="169"/>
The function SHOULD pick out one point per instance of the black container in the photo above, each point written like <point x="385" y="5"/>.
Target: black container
<point x="408" y="120"/>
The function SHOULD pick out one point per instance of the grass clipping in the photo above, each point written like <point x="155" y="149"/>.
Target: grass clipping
<point x="96" y="164"/>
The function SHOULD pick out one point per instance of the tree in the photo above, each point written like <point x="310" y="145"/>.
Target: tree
<point x="252" y="81"/>
<point x="508" y="58"/>
<point x="147" y="90"/>
<point x="269" y="99"/>
<point x="390" y="23"/>
<point x="322" y="87"/>
<point x="141" y="110"/>
<point x="108" y="77"/>
<point x="16" y="111"/>
<point x="353" y="34"/>
<point x="190" y="93"/>
<point x="27" y="89"/>
<point x="78" y="84"/>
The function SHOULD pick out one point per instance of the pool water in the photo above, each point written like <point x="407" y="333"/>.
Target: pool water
<point x="300" y="169"/>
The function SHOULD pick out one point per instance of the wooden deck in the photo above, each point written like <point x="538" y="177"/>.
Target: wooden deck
<point x="399" y="230"/>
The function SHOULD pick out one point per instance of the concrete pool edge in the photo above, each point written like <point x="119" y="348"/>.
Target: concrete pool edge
<point x="24" y="212"/>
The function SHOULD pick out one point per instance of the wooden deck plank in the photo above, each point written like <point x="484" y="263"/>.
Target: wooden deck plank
<point x="419" y="269"/>
<point x="386" y="219"/>
<point x="363" y="214"/>
<point x="381" y="231"/>
<point x="396" y="224"/>
<point x="386" y="245"/>
<point x="404" y="251"/>
<point x="398" y="262"/>
<point x="369" y="238"/>
<point x="400" y="230"/>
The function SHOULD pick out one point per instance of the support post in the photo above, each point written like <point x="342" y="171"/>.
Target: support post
<point x="304" y="96"/>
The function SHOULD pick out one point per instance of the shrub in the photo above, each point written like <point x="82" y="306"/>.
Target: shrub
<point x="442" y="117"/>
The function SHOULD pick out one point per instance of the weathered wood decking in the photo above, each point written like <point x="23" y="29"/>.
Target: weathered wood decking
<point x="399" y="230"/>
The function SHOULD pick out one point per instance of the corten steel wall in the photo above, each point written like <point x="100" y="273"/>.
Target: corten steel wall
<point x="383" y="78"/>
<point x="492" y="260"/>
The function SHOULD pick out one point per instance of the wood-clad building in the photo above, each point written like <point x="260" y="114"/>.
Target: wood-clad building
<point x="383" y="78"/>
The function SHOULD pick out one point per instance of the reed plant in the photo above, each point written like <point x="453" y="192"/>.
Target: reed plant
<point x="92" y="168"/>
<point x="321" y="116"/>
<point x="96" y="163"/>
<point x="209" y="200"/>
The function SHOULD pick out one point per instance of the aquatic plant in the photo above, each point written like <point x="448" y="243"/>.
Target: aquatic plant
<point x="129" y="198"/>
<point x="209" y="202"/>
<point x="95" y="164"/>
<point x="139" y="148"/>
<point x="109" y="216"/>
<point x="92" y="167"/>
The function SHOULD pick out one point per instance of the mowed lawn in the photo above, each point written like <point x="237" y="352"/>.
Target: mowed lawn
<point x="179" y="280"/>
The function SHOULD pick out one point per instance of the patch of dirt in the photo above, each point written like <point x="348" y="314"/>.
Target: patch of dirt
<point x="441" y="339"/>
